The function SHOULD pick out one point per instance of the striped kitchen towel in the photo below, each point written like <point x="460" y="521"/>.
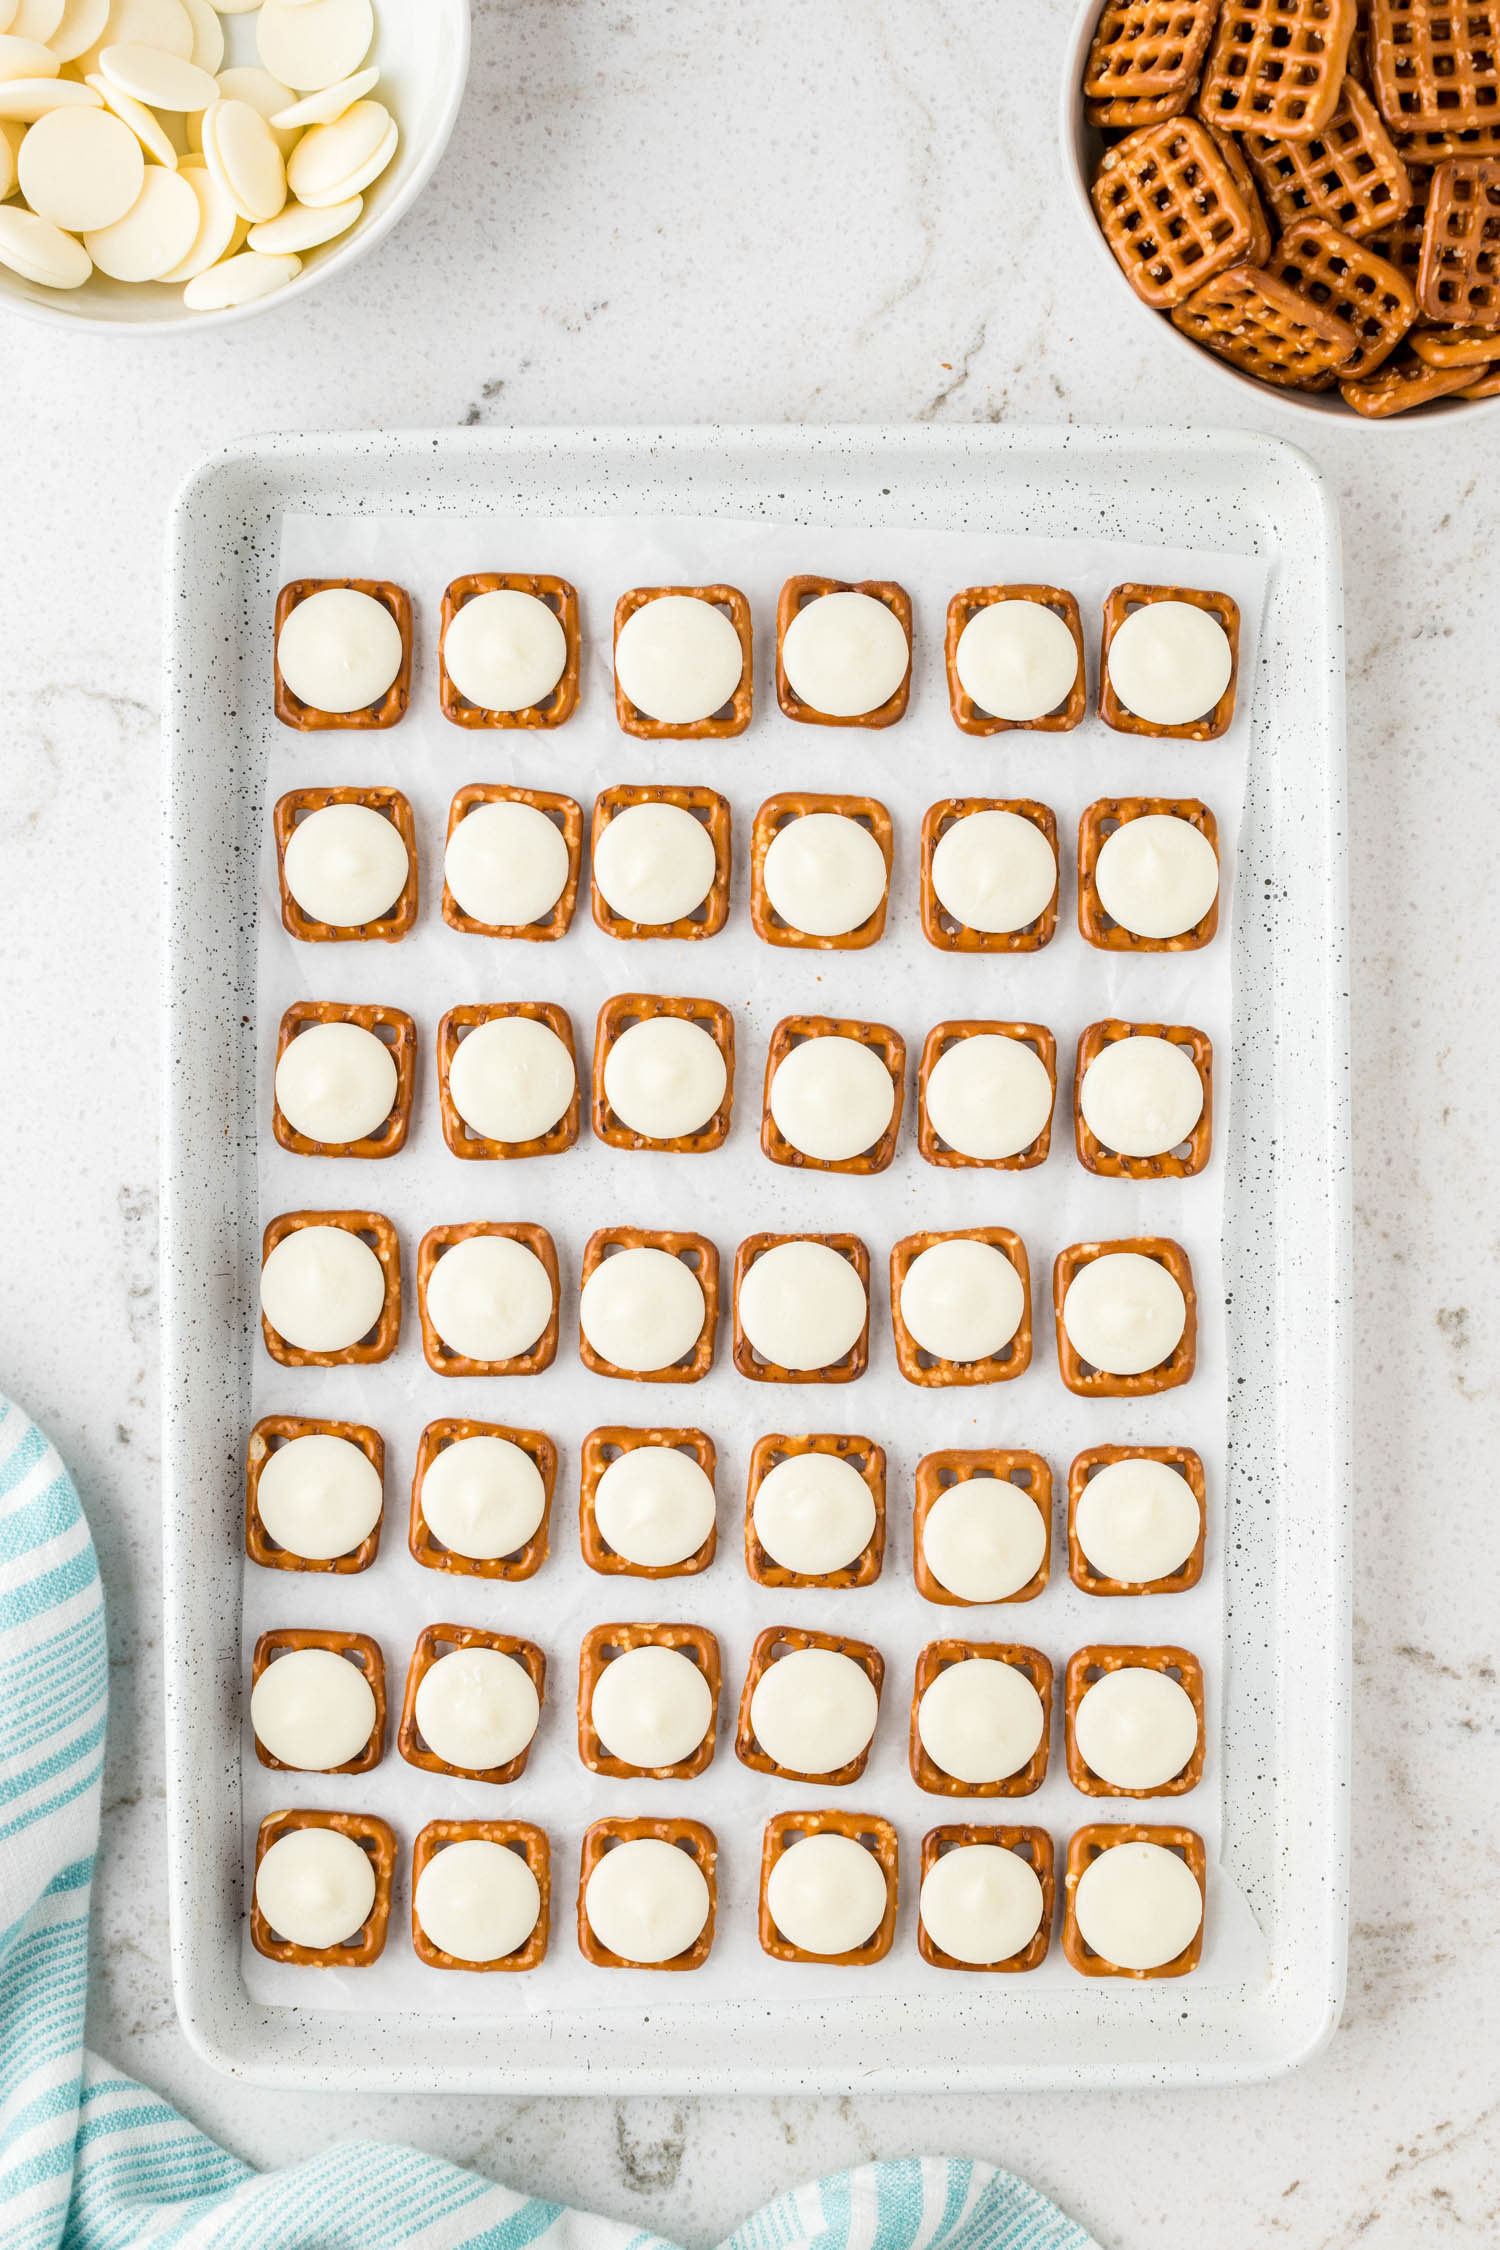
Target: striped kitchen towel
<point x="91" y="2161"/>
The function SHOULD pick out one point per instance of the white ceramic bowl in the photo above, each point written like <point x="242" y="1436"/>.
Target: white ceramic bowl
<point x="1082" y="147"/>
<point x="422" y="49"/>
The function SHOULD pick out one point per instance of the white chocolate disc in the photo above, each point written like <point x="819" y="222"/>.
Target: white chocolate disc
<point x="298" y="227"/>
<point x="651" y="1707"/>
<point x="21" y="57"/>
<point x="219" y="225"/>
<point x="322" y="1289"/>
<point x="239" y="281"/>
<point x="1137" y="1521"/>
<point x="654" y="1506"/>
<point x="313" y="43"/>
<point x="506" y="864"/>
<point x="988" y="1096"/>
<point x="1141" y="1096"/>
<point x="208" y="36"/>
<point x="476" y="1708"/>
<point x="266" y="95"/>
<point x="678" y="659"/>
<point x="1124" y="1313"/>
<point x="81" y="25"/>
<point x="646" y="1900"/>
<point x="144" y="123"/>
<point x="984" y="1539"/>
<point x="1136" y="1728"/>
<point x="654" y="863"/>
<point x="1157" y="876"/>
<point x="665" y="1077"/>
<point x="814" y="1513"/>
<point x="80" y="168"/>
<point x="994" y="871"/>
<point x="319" y="1496"/>
<point x="245" y="157"/>
<point x="1170" y="662"/>
<point x="483" y="1497"/>
<point x="160" y="80"/>
<point x="156" y="233"/>
<point x="24" y="100"/>
<point x="981" y="1720"/>
<point x="312" y="1709"/>
<point x="961" y="1300"/>
<point x="827" y="1894"/>
<point x="1016" y="660"/>
<point x="814" y="1710"/>
<point x="37" y="19"/>
<point x="331" y="162"/>
<point x="981" y="1904"/>
<point x="339" y="650"/>
<point x="40" y="252"/>
<point x="477" y="1900"/>
<point x="802" y="1305"/>
<point x="489" y="1297"/>
<point x="1138" y="1905"/>
<point x="505" y="651"/>
<point x="832" y="1098"/>
<point x="329" y="102"/>
<point x="845" y="654"/>
<point x="824" y="874"/>
<point x="336" y="1082"/>
<point x="315" y="1887"/>
<point x="346" y="865"/>
<point x="511" y="1079"/>
<point x="642" y="1309"/>
<point x="147" y="23"/>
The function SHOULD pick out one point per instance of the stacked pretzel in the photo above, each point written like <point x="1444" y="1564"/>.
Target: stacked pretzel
<point x="1309" y="188"/>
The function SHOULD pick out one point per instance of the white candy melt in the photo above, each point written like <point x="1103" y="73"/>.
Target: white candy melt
<point x="651" y="1707"/>
<point x="994" y="871"/>
<point x="314" y="44"/>
<point x="824" y="874"/>
<point x="814" y="1710"/>
<point x="984" y="1539"/>
<point x="155" y="234"/>
<point x="332" y="162"/>
<point x="315" y="1887"/>
<point x="336" y="1082"/>
<point x="160" y="80"/>
<point x="1124" y="1313"/>
<point x="981" y="1720"/>
<point x="678" y="659"/>
<point x="654" y="1506"/>
<point x="483" y="1497"/>
<point x="331" y="102"/>
<point x="802" y="1305"/>
<point x="322" y="1289"/>
<point x="962" y="1300"/>
<point x="489" y="1298"/>
<point x="242" y="153"/>
<point x="845" y="654"/>
<point x="345" y="865"/>
<point x="1017" y="660"/>
<point x="512" y="1079"/>
<point x="832" y="1098"/>
<point x="988" y="1096"/>
<point x="1137" y="1521"/>
<point x="506" y="863"/>
<point x="239" y="281"/>
<point x="339" y="650"/>
<point x="476" y="1708"/>
<point x="814" y="1513"/>
<point x="80" y="168"/>
<point x="505" y="650"/>
<point x="1157" y="876"/>
<point x="312" y="1709"/>
<point x="646" y="1901"/>
<point x="981" y="1904"/>
<point x="1138" y="1905"/>
<point x="665" y="1077"/>
<point x="827" y="1895"/>
<point x="642" y="1309"/>
<point x="1170" y="662"/>
<point x="219" y="225"/>
<point x="1136" y="1728"/>
<point x="476" y="1900"/>
<point x="1141" y="1096"/>
<point x="654" y="863"/>
<point x="319" y="1496"/>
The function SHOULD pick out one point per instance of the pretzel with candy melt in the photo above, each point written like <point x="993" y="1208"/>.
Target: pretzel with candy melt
<point x="1263" y="326"/>
<point x="931" y="1147"/>
<point x="373" y="1836"/>
<point x="1100" y="820"/>
<point x="355" y="1648"/>
<point x="923" y="1367"/>
<point x="1458" y="281"/>
<point x="306" y="717"/>
<point x="774" y="815"/>
<point x="940" y="1656"/>
<point x="560" y="702"/>
<point x="691" y="1836"/>
<point x="1435" y="68"/>
<point x="939" y="1472"/>
<point x="795" y="596"/>
<point x="1107" y="1162"/>
<point x="1033" y="1845"/>
<point x="1085" y="1667"/>
<point x="1084" y="1847"/>
<point x="1350" y="174"/>
<point x="622" y="1014"/>
<point x="1122" y="602"/>
<point x="694" y="1251"/>
<point x="398" y="918"/>
<point x="1176" y="1368"/>
<point x="789" y="1640"/>
<point x="967" y="714"/>
<point x="379" y="1235"/>
<point x="749" y="1361"/>
<point x="1352" y="280"/>
<point x="942" y="929"/>
<point x="434" y="1642"/>
<point x="1170" y="210"/>
<point x="863" y="1455"/>
<point x="270" y="1433"/>
<point x="599" y="1648"/>
<point x="566" y="816"/>
<point x="705" y="805"/>
<point x="1145" y="54"/>
<point x="395" y="1029"/>
<point x="1277" y="66"/>
<point x="441" y="1357"/>
<point x="457" y="1132"/>
<point x="608" y="1444"/>
<point x="1086" y="1467"/>
<point x="519" y="1836"/>
<point x="428" y="1550"/>
<point x="719" y="725"/>
<point x="882" y="1041"/>
<point x="877" y="1836"/>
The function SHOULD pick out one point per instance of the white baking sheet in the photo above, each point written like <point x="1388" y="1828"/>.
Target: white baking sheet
<point x="735" y="1192"/>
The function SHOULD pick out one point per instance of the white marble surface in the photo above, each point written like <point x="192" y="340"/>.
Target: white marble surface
<point x="793" y="209"/>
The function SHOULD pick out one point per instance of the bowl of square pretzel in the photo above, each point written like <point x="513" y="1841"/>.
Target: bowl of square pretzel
<point x="1307" y="191"/>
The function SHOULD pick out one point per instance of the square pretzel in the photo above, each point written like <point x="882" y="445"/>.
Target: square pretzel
<point x="380" y="1236"/>
<point x="938" y="1473"/>
<point x="700" y="1256"/>
<point x="967" y="714"/>
<point x="1258" y="252"/>
<point x="942" y="929"/>
<point x="1400" y="384"/>
<point x="1084" y="1847"/>
<point x="878" y="1838"/>
<point x="398" y="917"/>
<point x="719" y="725"/>
<point x="1148" y="51"/>
<point x="1034" y="1845"/>
<point x="357" y="1649"/>
<point x="1364" y="289"/>
<point x="940" y="1656"/>
<point x="375" y="1837"/>
<point x="1100" y="820"/>
<point x="435" y="1642"/>
<point x="786" y="1640"/>
<point x="921" y="1366"/>
<point x="1350" y="174"/>
<point x="599" y="1648"/>
<point x="562" y="599"/>
<point x="1085" y="1666"/>
<point x="566" y="816"/>
<point x="1435" y="66"/>
<point x="270" y="1433"/>
<point x="435" y="1243"/>
<point x="519" y="1836"/>
<point x="460" y="1136"/>
<point x="1433" y="146"/>
<point x="691" y="1836"/>
<point x="705" y="805"/>
<point x="426" y="1547"/>
<point x="1276" y="66"/>
<point x="1460" y="346"/>
<point x="1085" y="1468"/>
<point x="1400" y="241"/>
<point x="1170" y="209"/>
<point x="1458" y="281"/>
<point x="600" y="1448"/>
<point x="1092" y="1382"/>
<point x="881" y="1041"/>
<point x="795" y="596"/>
<point x="748" y="1360"/>
<point x="931" y="1147"/>
<point x="395" y="1029"/>
<point x="863" y="1455"/>
<point x="1107" y="1162"/>
<point x="775" y="815"/>
<point x="306" y="717"/>
<point x="1268" y="329"/>
<point x="621" y="1014"/>
<point x="1122" y="602"/>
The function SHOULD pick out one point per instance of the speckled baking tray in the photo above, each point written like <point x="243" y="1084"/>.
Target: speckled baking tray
<point x="1283" y="1723"/>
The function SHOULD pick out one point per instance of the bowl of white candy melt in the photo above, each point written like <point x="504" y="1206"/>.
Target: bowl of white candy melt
<point x="171" y="163"/>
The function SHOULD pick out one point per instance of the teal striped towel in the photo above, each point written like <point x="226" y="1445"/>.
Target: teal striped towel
<point x="91" y="2161"/>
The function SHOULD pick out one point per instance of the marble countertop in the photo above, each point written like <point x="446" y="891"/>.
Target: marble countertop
<point x="656" y="210"/>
